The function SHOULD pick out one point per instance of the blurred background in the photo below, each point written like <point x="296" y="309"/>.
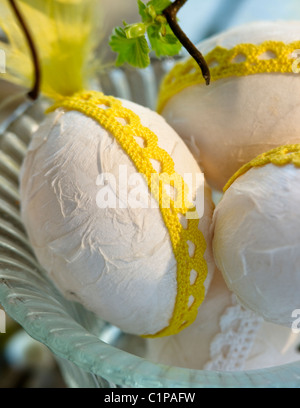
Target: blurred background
<point x="25" y="363"/>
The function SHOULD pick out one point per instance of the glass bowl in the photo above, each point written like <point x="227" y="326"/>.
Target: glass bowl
<point x="90" y="352"/>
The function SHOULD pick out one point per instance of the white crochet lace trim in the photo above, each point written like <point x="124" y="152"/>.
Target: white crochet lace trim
<point x="230" y="348"/>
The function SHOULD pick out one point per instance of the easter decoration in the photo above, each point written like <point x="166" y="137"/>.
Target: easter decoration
<point x="249" y="69"/>
<point x="252" y="104"/>
<point x="256" y="235"/>
<point x="104" y="199"/>
<point x="256" y="110"/>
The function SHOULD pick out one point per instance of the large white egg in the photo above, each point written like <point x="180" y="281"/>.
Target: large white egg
<point x="226" y="337"/>
<point x="117" y="260"/>
<point x="235" y="118"/>
<point x="256" y="241"/>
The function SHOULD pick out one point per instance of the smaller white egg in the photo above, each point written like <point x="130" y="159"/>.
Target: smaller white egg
<point x="256" y="241"/>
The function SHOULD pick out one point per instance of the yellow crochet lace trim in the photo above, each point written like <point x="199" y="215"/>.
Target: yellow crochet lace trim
<point x="242" y="60"/>
<point x="280" y="156"/>
<point x="107" y="111"/>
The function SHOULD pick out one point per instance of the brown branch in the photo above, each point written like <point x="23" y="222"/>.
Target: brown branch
<point x="34" y="93"/>
<point x="171" y="15"/>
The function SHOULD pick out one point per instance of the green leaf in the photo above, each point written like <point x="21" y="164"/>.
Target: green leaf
<point x="159" y="5"/>
<point x="135" y="30"/>
<point x="130" y="41"/>
<point x="135" y="51"/>
<point x="163" y="45"/>
<point x="170" y="39"/>
<point x="143" y="12"/>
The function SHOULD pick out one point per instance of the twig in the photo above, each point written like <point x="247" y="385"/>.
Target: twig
<point x="34" y="93"/>
<point x="171" y="15"/>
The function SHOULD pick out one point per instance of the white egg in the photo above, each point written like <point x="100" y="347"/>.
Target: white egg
<point x="117" y="260"/>
<point x="235" y="118"/>
<point x="256" y="241"/>
<point x="226" y="337"/>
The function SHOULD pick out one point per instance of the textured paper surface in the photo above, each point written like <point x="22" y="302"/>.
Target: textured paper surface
<point x="233" y="120"/>
<point x="118" y="262"/>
